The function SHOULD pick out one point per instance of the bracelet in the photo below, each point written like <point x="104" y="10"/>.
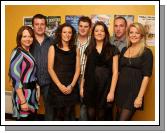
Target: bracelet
<point x="37" y="86"/>
<point x="23" y="103"/>
<point x="71" y="86"/>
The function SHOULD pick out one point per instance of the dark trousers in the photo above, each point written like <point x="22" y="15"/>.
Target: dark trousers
<point x="48" y="110"/>
<point x="83" y="111"/>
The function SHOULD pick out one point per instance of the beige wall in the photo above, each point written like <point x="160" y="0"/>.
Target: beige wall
<point x="14" y="20"/>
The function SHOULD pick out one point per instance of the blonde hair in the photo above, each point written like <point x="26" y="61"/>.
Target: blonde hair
<point x="142" y="32"/>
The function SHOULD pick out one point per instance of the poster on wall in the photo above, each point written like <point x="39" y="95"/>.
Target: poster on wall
<point x="73" y="20"/>
<point x="52" y="23"/>
<point x="149" y="25"/>
<point x="104" y="18"/>
<point x="129" y="18"/>
<point x="27" y="21"/>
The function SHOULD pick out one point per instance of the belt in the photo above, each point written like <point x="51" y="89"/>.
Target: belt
<point x="29" y="85"/>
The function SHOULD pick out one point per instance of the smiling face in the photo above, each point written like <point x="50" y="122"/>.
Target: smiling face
<point x="83" y="28"/>
<point x="26" y="39"/>
<point x="99" y="33"/>
<point x="134" y="35"/>
<point x="66" y="34"/>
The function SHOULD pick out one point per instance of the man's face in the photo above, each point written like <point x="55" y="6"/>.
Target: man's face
<point x="83" y="28"/>
<point x="39" y="26"/>
<point x="119" y="28"/>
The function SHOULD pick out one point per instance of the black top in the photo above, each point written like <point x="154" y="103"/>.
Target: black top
<point x="64" y="67"/>
<point x="132" y="71"/>
<point x="98" y="76"/>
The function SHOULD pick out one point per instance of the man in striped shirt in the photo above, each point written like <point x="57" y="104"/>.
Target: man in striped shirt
<point x="82" y="41"/>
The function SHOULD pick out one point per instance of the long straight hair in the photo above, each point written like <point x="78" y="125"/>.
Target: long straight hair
<point x="142" y="32"/>
<point x="92" y="44"/>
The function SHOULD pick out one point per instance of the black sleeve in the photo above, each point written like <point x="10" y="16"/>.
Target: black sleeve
<point x="115" y="51"/>
<point x="121" y="55"/>
<point x="147" y="64"/>
<point x="123" y="51"/>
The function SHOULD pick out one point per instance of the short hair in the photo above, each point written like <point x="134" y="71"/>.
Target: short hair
<point x="20" y="33"/>
<point x="39" y="16"/>
<point x="120" y="17"/>
<point x="85" y="19"/>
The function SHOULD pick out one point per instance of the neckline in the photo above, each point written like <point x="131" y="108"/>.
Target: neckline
<point x="24" y="50"/>
<point x="132" y="57"/>
<point x="84" y="43"/>
<point x="122" y="39"/>
<point x="61" y="50"/>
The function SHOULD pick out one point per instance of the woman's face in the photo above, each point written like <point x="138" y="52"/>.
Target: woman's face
<point x="26" y="39"/>
<point x="99" y="33"/>
<point x="66" y="34"/>
<point x="134" y="35"/>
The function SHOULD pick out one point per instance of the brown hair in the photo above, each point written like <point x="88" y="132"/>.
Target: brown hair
<point x="120" y="17"/>
<point x="39" y="16"/>
<point x="106" y="41"/>
<point x="85" y="19"/>
<point x="58" y="36"/>
<point x="20" y="32"/>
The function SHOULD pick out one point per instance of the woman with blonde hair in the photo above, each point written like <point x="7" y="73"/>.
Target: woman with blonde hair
<point x="135" y="69"/>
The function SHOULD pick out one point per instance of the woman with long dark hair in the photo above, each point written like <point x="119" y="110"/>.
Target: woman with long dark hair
<point x="101" y="72"/>
<point x="64" y="69"/>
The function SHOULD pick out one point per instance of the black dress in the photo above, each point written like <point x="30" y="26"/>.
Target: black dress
<point x="131" y="73"/>
<point x="98" y="76"/>
<point x="64" y="67"/>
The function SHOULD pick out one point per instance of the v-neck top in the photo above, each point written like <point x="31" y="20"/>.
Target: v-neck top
<point x="98" y="76"/>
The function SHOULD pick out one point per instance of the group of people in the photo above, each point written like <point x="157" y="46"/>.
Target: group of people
<point x="88" y="68"/>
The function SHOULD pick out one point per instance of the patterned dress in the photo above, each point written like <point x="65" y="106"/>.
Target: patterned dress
<point x="23" y="75"/>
